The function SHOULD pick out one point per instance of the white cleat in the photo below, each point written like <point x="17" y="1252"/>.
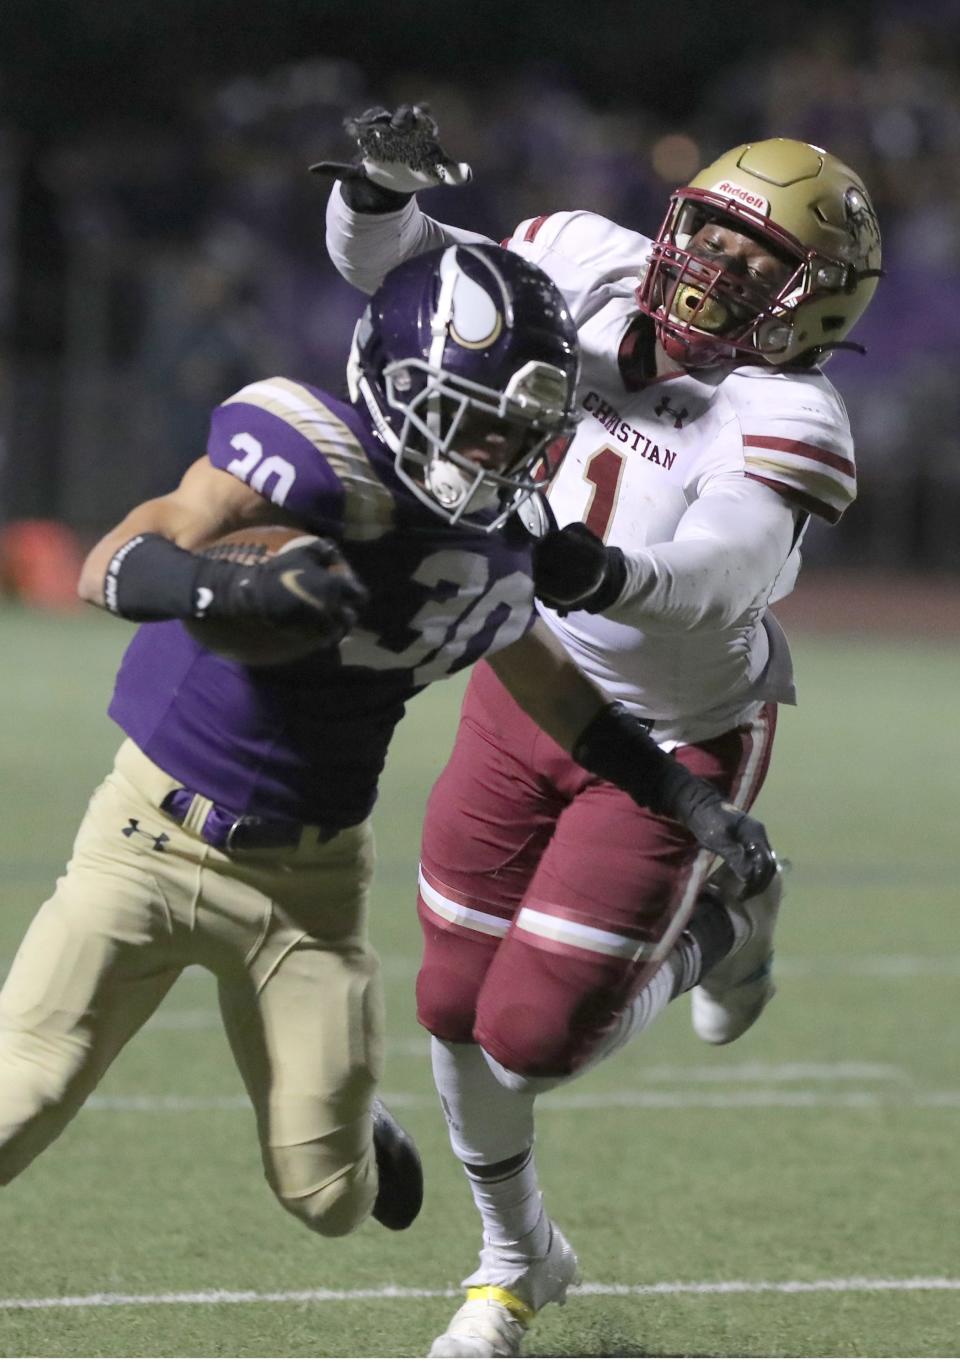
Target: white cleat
<point x="735" y="993"/>
<point x="494" y="1318"/>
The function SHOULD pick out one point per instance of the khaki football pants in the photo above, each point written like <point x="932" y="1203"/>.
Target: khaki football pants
<point x="283" y="931"/>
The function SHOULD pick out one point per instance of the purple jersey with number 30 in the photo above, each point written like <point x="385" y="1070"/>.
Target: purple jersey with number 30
<point x="307" y="740"/>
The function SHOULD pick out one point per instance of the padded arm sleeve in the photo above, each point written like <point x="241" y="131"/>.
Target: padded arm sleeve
<point x="364" y="247"/>
<point x="725" y="556"/>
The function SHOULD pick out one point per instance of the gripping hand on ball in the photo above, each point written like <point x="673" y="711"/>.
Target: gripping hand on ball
<point x="308" y="587"/>
<point x="398" y="155"/>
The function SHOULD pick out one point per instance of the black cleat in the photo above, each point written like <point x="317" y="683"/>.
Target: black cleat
<point x="400" y="1192"/>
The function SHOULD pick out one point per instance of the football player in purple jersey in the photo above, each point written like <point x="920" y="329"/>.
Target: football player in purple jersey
<point x="233" y="832"/>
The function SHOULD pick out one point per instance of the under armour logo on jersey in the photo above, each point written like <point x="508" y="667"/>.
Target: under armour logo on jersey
<point x="157" y="839"/>
<point x="678" y="415"/>
<point x="204" y="599"/>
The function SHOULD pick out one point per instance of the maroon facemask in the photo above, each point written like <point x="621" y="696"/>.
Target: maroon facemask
<point x="704" y="312"/>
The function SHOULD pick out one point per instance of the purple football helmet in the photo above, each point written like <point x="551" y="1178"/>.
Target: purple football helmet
<point x="466" y="360"/>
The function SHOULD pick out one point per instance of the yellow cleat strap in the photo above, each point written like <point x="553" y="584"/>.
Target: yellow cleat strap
<point x="520" y="1310"/>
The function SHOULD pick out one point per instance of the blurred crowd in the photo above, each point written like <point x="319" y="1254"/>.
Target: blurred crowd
<point x="189" y="259"/>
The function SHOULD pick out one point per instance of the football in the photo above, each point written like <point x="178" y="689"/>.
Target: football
<point x="254" y="644"/>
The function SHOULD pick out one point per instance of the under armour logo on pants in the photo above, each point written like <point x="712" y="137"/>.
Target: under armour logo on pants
<point x="157" y="839"/>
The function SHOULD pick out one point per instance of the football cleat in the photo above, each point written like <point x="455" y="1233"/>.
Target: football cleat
<point x="400" y="1189"/>
<point x="732" y="996"/>
<point x="503" y="1299"/>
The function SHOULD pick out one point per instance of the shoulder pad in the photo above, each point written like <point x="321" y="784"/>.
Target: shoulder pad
<point x="292" y="443"/>
<point x="584" y="237"/>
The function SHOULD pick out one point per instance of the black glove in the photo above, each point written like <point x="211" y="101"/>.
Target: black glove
<point x="741" y="841"/>
<point x="616" y="746"/>
<point x="573" y="569"/>
<point x="307" y="587"/>
<point x="150" y="579"/>
<point x="398" y="155"/>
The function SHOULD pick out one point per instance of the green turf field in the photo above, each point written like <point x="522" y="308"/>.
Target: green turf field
<point x="776" y="1182"/>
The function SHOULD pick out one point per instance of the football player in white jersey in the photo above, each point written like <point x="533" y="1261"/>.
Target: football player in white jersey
<point x="559" y="918"/>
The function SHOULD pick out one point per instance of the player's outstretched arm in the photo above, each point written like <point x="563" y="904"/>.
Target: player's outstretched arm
<point x="728" y="549"/>
<point x="373" y="220"/>
<point x="603" y="737"/>
<point x="147" y="569"/>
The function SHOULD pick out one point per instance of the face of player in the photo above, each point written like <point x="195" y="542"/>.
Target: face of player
<point x="480" y="444"/>
<point x="493" y="444"/>
<point x="746" y="259"/>
<point x="754" y="272"/>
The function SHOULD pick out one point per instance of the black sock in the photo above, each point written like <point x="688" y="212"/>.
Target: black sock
<point x="712" y="931"/>
<point x="499" y="1171"/>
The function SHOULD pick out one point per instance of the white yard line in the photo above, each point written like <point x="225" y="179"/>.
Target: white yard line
<point x="876" y="966"/>
<point x="869" y="966"/>
<point x="880" y="965"/>
<point x="562" y="1102"/>
<point x="754" y="1073"/>
<point x="835" y="1286"/>
<point x="757" y="1072"/>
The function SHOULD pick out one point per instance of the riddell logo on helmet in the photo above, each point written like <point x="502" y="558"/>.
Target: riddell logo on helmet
<point x="746" y="197"/>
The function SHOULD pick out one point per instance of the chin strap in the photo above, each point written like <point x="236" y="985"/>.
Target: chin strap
<point x="846" y="347"/>
<point x="813" y="356"/>
<point x="446" y="482"/>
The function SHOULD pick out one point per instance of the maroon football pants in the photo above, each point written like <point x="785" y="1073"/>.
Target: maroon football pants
<point x="547" y="897"/>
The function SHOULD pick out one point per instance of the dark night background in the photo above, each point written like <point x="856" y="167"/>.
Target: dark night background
<point x="161" y="242"/>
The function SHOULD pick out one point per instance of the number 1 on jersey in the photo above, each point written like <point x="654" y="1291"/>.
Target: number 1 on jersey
<point x="603" y="470"/>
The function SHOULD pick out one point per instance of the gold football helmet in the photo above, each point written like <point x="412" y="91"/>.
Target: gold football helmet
<point x="801" y="204"/>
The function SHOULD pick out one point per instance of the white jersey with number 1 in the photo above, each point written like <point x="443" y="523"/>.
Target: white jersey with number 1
<point x="704" y="479"/>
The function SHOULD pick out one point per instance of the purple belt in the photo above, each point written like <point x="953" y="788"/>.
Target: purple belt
<point x="229" y="832"/>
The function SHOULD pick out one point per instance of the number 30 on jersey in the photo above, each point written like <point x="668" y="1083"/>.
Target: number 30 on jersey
<point x="447" y="628"/>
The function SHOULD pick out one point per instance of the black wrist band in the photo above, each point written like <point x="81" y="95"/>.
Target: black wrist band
<point x="680" y="795"/>
<point x="617" y="746"/>
<point x="150" y="579"/>
<point x="363" y="197"/>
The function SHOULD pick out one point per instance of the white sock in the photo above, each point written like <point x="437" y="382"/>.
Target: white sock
<point x="678" y="973"/>
<point x="510" y="1204"/>
<point x="491" y="1126"/>
<point x="638" y="1014"/>
<point x="682" y="970"/>
<point x="488" y="1123"/>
